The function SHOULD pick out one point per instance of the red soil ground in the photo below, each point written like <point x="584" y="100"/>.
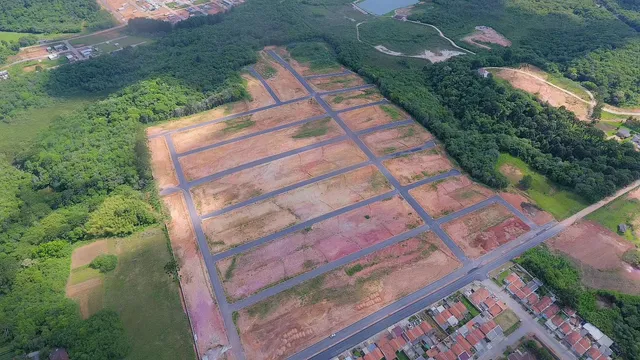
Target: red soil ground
<point x="225" y="157"/>
<point x="201" y="306"/>
<point x="336" y="82"/>
<point x="352" y="98"/>
<point x="162" y="165"/>
<point x="527" y="207"/>
<point x="449" y="195"/>
<point x="269" y="216"/>
<point x="292" y="320"/>
<point x="282" y="82"/>
<point x="85" y="254"/>
<point x="385" y="142"/>
<point x="420" y="165"/>
<point x="487" y="35"/>
<point x="325" y="242"/>
<point x="231" y="129"/>
<point x="274" y="175"/>
<point x="372" y="116"/>
<point x="484" y="230"/>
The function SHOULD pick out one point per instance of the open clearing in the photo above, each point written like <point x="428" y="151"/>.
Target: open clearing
<point x="486" y="35"/>
<point x="211" y="161"/>
<point x="310" y="58"/>
<point x="527" y="207"/>
<point x="282" y="211"/>
<point x="385" y="142"/>
<point x="163" y="170"/>
<point x="322" y="243"/>
<point x="246" y="184"/>
<point x="294" y="319"/>
<point x="352" y="98"/>
<point x="372" y="116"/>
<point x="283" y="83"/>
<point x="483" y="230"/>
<point x="624" y="210"/>
<point x="336" y="82"/>
<point x="449" y="195"/>
<point x="231" y="129"/>
<point x="419" y="165"/>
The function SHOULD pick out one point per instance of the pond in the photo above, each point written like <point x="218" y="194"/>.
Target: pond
<point x="381" y="7"/>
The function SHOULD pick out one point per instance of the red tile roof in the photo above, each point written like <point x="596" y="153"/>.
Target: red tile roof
<point x="565" y="328"/>
<point x="398" y="343"/>
<point x="440" y="319"/>
<point x="456" y="313"/>
<point x="426" y="327"/>
<point x="464" y="343"/>
<point x="518" y="283"/>
<point x="475" y="336"/>
<point x="479" y="296"/>
<point x="488" y="326"/>
<point x="569" y="311"/>
<point x="414" y="334"/>
<point x="542" y="304"/>
<point x="457" y="349"/>
<point x="460" y="306"/>
<point x="533" y="298"/>
<point x="557" y="320"/>
<point x="579" y="348"/>
<point x="387" y="349"/>
<point x="551" y="310"/>
<point x="572" y="338"/>
<point x="511" y="278"/>
<point x="527" y="291"/>
<point x="433" y="352"/>
<point x="374" y="355"/>
<point x="495" y="310"/>
<point x="594" y="353"/>
<point x="490" y="302"/>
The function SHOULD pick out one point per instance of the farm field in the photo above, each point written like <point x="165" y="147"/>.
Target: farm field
<point x="449" y="195"/>
<point x="385" y="142"/>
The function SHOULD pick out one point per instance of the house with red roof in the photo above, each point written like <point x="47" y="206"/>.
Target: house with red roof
<point x="376" y="354"/>
<point x="511" y="278"/>
<point x="580" y="348"/>
<point x="550" y="311"/>
<point x="542" y="304"/>
<point x="594" y="354"/>
<point x="479" y="296"/>
<point x="387" y="350"/>
<point x="532" y="299"/>
<point x="497" y="308"/>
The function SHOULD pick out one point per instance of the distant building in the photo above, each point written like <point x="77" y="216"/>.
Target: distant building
<point x="623" y="133"/>
<point x="483" y="72"/>
<point x="4" y="75"/>
<point x="52" y="56"/>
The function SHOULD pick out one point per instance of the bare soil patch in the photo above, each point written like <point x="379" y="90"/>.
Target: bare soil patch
<point x="201" y="306"/>
<point x="487" y="35"/>
<point x="420" y="165"/>
<point x="225" y="157"/>
<point x="385" y="142"/>
<point x="277" y="213"/>
<point x="527" y="207"/>
<point x="372" y="116"/>
<point x="281" y="81"/>
<point x="28" y="53"/>
<point x="274" y="175"/>
<point x="336" y="82"/>
<point x="163" y="171"/>
<point x="231" y="129"/>
<point x="437" y="56"/>
<point x="353" y="98"/>
<point x="324" y="242"/>
<point x="292" y="320"/>
<point x="260" y="98"/>
<point x="449" y="195"/>
<point x="484" y="230"/>
<point x="82" y="256"/>
<point x="88" y="294"/>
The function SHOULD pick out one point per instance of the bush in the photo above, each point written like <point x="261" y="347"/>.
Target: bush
<point x="120" y="215"/>
<point x="632" y="257"/>
<point x="525" y="182"/>
<point x="104" y="263"/>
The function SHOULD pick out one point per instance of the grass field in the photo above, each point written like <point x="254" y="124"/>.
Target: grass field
<point x="15" y="36"/>
<point x="404" y="37"/>
<point x="94" y="39"/>
<point x="548" y="196"/>
<point x="620" y="211"/>
<point x="508" y="321"/>
<point x="122" y="43"/>
<point x="316" y="55"/>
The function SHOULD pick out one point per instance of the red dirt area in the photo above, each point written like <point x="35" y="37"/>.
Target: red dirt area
<point x="527" y="207"/>
<point x="228" y="156"/>
<point x="420" y="165"/>
<point x="282" y="211"/>
<point x="385" y="142"/>
<point x="372" y="116"/>
<point x="324" y="242"/>
<point x="231" y="129"/>
<point x="259" y="98"/>
<point x="274" y="175"/>
<point x="281" y="81"/>
<point x="353" y="98"/>
<point x="485" y="34"/>
<point x="449" y="195"/>
<point x="201" y="306"/>
<point x="304" y="68"/>
<point x="85" y="254"/>
<point x="29" y="53"/>
<point x="161" y="164"/>
<point x="484" y="230"/>
<point x="336" y="82"/>
<point x="292" y="320"/>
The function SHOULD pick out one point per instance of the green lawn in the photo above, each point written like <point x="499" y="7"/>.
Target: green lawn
<point x="15" y="36"/>
<point x="548" y="196"/>
<point x="404" y="37"/>
<point x="472" y="309"/>
<point x="620" y="211"/>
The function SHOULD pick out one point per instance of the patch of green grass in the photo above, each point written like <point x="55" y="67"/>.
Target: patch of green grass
<point x="472" y="309"/>
<point x="401" y="355"/>
<point x="83" y="274"/>
<point x="235" y="316"/>
<point x="508" y="321"/>
<point x="548" y="196"/>
<point x="623" y="210"/>
<point x="353" y="269"/>
<point x="229" y="273"/>
<point x="200" y="2"/>
<point x="394" y="113"/>
<point x="503" y="275"/>
<point x="96" y="38"/>
<point x="313" y="129"/>
<point x="266" y="71"/>
<point x="405" y="37"/>
<point x="238" y="124"/>
<point x="316" y="55"/>
<point x="174" y="5"/>
<point x="338" y="99"/>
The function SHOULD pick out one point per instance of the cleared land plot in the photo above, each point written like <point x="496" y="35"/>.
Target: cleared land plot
<point x="404" y="37"/>
<point x="322" y="243"/>
<point x="353" y="98"/>
<point x="282" y="211"/>
<point x="283" y="83"/>
<point x="527" y="207"/>
<point x="83" y="256"/>
<point x="336" y="82"/>
<point x="97" y="38"/>
<point x="372" y="116"/>
<point x="385" y="142"/>
<point x="449" y="195"/>
<point x="294" y="319"/>
<point x="206" y="320"/>
<point x="225" y="157"/>
<point x="162" y="165"/>
<point x="420" y="165"/>
<point x="230" y="129"/>
<point x="486" y="35"/>
<point x="259" y="98"/>
<point x="483" y="230"/>
<point x="274" y="175"/>
<point x="624" y="210"/>
<point x="310" y="58"/>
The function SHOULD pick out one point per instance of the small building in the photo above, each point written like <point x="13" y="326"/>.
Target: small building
<point x="636" y="139"/>
<point x="4" y="75"/>
<point x="622" y="228"/>
<point x="59" y="47"/>
<point x="483" y="73"/>
<point x="623" y="133"/>
<point x="52" y="56"/>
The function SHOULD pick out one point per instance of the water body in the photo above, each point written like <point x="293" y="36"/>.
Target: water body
<point x="381" y="7"/>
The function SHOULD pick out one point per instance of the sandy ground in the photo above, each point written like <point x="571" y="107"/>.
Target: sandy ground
<point x="417" y="166"/>
<point x="260" y="98"/>
<point x="231" y="129"/>
<point x="206" y="320"/>
<point x="336" y="82"/>
<point x="527" y="207"/>
<point x="545" y="92"/>
<point x="85" y="254"/>
<point x="88" y="294"/>
<point x="371" y="116"/>
<point x="484" y="34"/>
<point x="28" y="53"/>
<point x="484" y="230"/>
<point x="277" y="213"/>
<point x="325" y="242"/>
<point x="283" y="83"/>
<point x="385" y="142"/>
<point x="228" y="156"/>
<point x="292" y="320"/>
<point x="274" y="175"/>
<point x="305" y="69"/>
<point x="162" y="165"/>
<point x="352" y="98"/>
<point x="449" y="195"/>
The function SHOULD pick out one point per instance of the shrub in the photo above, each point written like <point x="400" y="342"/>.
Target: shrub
<point x="120" y="215"/>
<point x="104" y="263"/>
<point x="525" y="182"/>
